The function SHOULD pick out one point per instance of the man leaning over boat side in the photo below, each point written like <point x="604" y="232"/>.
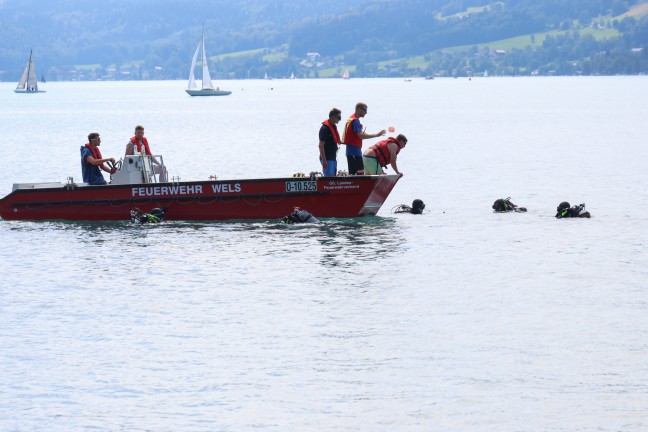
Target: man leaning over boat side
<point x="92" y="161"/>
<point x="383" y="153"/>
<point x="139" y="143"/>
<point x="329" y="138"/>
<point x="353" y="135"/>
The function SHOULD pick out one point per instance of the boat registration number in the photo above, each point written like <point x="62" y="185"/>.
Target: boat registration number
<point x="301" y="186"/>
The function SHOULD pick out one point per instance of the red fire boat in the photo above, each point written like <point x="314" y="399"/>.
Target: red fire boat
<point x="136" y="185"/>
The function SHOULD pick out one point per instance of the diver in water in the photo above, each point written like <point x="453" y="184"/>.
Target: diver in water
<point x="139" y="217"/>
<point x="417" y="207"/>
<point x="565" y="211"/>
<point x="299" y="216"/>
<point x="505" y="205"/>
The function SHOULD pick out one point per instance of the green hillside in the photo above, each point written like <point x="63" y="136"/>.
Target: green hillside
<point x="80" y="40"/>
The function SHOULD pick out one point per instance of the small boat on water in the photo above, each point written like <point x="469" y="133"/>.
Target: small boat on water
<point x="136" y="185"/>
<point x="345" y="75"/>
<point x="207" y="88"/>
<point x="28" y="82"/>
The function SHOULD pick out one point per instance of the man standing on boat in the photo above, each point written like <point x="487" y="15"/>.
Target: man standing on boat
<point x="91" y="161"/>
<point x="329" y="138"/>
<point x="353" y="135"/>
<point x="139" y="144"/>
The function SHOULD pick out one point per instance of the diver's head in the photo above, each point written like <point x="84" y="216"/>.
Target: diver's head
<point x="158" y="212"/>
<point x="417" y="206"/>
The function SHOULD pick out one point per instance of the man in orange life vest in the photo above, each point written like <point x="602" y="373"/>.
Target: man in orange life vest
<point x="383" y="153"/>
<point x="353" y="135"/>
<point x="92" y="161"/>
<point x="329" y="138"/>
<point x="139" y="143"/>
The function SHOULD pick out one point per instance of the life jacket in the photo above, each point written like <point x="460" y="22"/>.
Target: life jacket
<point x="382" y="151"/>
<point x="334" y="131"/>
<point x="138" y="146"/>
<point x="350" y="136"/>
<point x="96" y="153"/>
<point x="139" y="217"/>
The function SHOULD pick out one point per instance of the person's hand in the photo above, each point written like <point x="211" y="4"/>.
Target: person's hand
<point x="382" y="132"/>
<point x="400" y="174"/>
<point x="325" y="165"/>
<point x="113" y="170"/>
<point x="112" y="160"/>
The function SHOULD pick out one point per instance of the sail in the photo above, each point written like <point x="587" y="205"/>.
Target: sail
<point x="206" y="79"/>
<point x="207" y="88"/>
<point x="192" y="77"/>
<point x="32" y="81"/>
<point x="23" y="79"/>
<point x="28" y="78"/>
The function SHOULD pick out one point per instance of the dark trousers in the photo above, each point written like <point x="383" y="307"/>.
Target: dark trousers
<point x="355" y="164"/>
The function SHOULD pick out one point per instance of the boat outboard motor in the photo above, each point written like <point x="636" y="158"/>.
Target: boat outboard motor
<point x="300" y="216"/>
<point x="565" y="211"/>
<point x="138" y="217"/>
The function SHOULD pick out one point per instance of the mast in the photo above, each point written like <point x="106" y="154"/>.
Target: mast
<point x="206" y="79"/>
<point x="32" y="81"/>
<point x="204" y="57"/>
<point x="29" y="66"/>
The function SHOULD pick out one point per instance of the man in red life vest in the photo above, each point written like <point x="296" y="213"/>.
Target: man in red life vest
<point x="383" y="153"/>
<point x="92" y="161"/>
<point x="353" y="135"/>
<point x="139" y="144"/>
<point x="329" y="138"/>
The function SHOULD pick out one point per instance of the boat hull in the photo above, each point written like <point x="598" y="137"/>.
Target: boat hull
<point x="206" y="92"/>
<point x="29" y="91"/>
<point x="324" y="197"/>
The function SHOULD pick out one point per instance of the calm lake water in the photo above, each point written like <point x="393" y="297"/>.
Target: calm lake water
<point x="457" y="319"/>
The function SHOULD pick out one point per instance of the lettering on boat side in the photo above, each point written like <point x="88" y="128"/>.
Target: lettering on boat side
<point x="301" y="186"/>
<point x="341" y="185"/>
<point x="147" y="191"/>
<point x="166" y="190"/>
<point x="226" y="188"/>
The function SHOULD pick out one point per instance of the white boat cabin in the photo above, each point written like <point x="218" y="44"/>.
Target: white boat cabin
<point x="140" y="169"/>
<point x="132" y="169"/>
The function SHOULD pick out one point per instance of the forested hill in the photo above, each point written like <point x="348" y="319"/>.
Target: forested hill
<point x="142" y="39"/>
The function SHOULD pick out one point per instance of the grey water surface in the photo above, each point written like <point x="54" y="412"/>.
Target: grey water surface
<point x="459" y="319"/>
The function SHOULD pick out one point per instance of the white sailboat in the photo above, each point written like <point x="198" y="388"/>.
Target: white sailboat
<point x="207" y="88"/>
<point x="345" y="75"/>
<point x="28" y="82"/>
